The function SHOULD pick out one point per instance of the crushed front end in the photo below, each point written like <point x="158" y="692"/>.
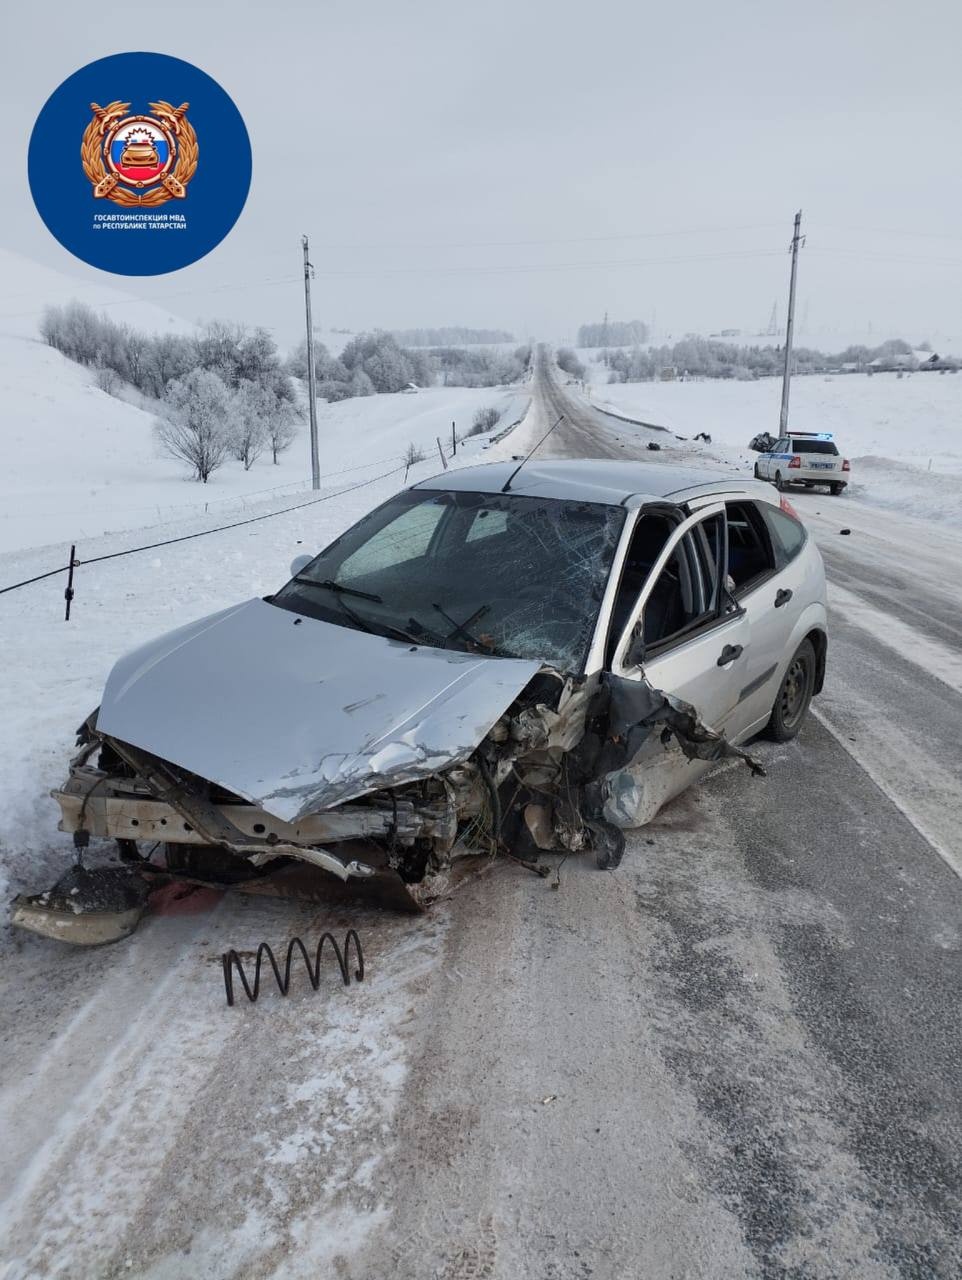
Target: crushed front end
<point x="565" y="768"/>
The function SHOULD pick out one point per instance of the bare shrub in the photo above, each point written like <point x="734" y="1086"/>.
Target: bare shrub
<point x="484" y="420"/>
<point x="413" y="454"/>
<point x="106" y="379"/>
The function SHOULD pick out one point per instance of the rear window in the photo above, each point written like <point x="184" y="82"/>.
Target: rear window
<point x="814" y="446"/>
<point x="788" y="534"/>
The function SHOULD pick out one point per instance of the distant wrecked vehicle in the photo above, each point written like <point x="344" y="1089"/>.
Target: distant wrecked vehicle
<point x="499" y="659"/>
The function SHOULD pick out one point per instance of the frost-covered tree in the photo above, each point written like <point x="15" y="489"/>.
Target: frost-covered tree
<point x="361" y="384"/>
<point x="451" y="335"/>
<point x="247" y="428"/>
<point x="194" y="427"/>
<point x="569" y="362"/>
<point x="613" y="333"/>
<point x="281" y="426"/>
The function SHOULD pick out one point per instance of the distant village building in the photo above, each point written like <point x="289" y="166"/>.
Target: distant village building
<point x="924" y="361"/>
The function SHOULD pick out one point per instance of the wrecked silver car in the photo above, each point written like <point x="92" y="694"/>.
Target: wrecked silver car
<point x="493" y="661"/>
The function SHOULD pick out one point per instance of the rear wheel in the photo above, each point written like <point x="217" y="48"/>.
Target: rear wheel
<point x="794" y="695"/>
<point x="758" y="474"/>
<point x="836" y="487"/>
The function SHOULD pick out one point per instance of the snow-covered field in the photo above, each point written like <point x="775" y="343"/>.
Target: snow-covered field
<point x="903" y="435"/>
<point x="79" y="462"/>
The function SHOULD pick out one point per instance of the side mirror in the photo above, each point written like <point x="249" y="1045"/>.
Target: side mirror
<point x="299" y="564"/>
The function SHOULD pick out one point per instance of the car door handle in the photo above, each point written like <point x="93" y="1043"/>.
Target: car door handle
<point x="782" y="596"/>
<point x="729" y="654"/>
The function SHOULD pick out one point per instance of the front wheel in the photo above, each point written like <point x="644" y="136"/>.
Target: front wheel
<point x="758" y="474"/>
<point x="794" y="695"/>
<point x="779" y="482"/>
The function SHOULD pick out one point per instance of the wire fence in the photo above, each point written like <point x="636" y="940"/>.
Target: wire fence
<point x="75" y="563"/>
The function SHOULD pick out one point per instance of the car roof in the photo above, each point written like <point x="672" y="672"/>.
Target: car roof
<point x="610" y="481"/>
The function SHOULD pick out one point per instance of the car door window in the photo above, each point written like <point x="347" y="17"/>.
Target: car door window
<point x="788" y="534"/>
<point x="687" y="593"/>
<point x="751" y="556"/>
<point x="650" y="534"/>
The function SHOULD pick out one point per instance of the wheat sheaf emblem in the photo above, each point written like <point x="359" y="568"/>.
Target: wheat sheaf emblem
<point x="139" y="161"/>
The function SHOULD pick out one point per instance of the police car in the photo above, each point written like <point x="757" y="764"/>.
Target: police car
<point x="804" y="457"/>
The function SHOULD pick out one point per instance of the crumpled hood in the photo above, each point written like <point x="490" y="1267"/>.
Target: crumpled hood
<point x="297" y="715"/>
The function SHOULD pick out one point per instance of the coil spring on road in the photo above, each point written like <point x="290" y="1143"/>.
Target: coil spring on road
<point x="231" y="960"/>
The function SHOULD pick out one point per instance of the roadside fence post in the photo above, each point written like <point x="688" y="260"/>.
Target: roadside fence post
<point x="68" y="591"/>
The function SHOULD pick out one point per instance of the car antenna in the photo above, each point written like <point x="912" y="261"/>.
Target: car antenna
<point x="507" y="484"/>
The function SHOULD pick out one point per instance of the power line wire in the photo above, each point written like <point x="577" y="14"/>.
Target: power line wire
<point x="507" y="244"/>
<point x="535" y="267"/>
<point x="203" y="533"/>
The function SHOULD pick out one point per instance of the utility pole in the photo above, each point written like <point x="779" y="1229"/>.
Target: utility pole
<point x="797" y="239"/>
<point x="311" y="377"/>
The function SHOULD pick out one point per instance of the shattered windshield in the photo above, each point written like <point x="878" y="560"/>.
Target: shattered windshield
<point x="496" y="574"/>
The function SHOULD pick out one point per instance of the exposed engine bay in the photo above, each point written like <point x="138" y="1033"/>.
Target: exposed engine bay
<point x="568" y="765"/>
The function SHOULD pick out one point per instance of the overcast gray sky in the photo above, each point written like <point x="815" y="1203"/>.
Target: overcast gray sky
<point x="530" y="165"/>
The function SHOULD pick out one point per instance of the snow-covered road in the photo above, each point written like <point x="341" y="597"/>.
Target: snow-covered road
<point x="736" y="1056"/>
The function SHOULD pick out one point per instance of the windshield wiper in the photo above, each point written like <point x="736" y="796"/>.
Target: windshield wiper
<point x="354" y="617"/>
<point x="461" y="629"/>
<point x="339" y="587"/>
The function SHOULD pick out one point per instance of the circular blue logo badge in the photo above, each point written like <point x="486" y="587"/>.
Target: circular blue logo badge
<point x="139" y="164"/>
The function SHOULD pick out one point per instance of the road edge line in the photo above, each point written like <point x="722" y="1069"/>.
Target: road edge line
<point x="952" y="861"/>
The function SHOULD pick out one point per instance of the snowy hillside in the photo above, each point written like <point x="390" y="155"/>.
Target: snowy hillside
<point x="79" y="462"/>
<point x="26" y="288"/>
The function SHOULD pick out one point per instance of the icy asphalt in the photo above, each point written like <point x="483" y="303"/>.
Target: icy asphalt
<point x="737" y="1056"/>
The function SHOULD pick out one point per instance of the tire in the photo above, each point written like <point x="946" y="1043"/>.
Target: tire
<point x="757" y="473"/>
<point x="836" y="488"/>
<point x="794" y="695"/>
<point x="779" y="482"/>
